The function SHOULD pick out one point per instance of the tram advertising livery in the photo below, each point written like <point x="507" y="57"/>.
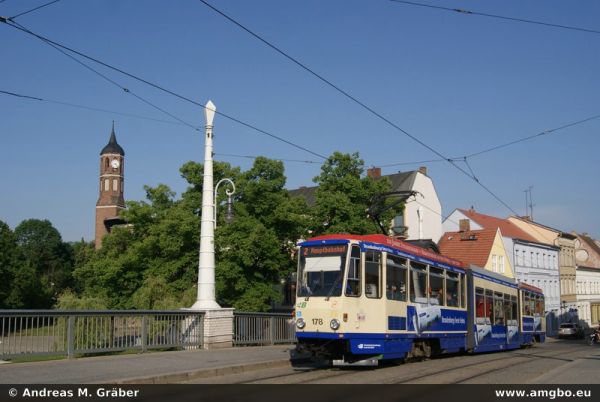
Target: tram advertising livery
<point x="374" y="297"/>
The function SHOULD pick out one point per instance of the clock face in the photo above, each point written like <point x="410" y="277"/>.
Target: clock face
<point x="115" y="163"/>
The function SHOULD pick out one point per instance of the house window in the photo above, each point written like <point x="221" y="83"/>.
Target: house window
<point x="106" y="185"/>
<point x="494" y="263"/>
<point x="501" y="264"/>
<point x="115" y="184"/>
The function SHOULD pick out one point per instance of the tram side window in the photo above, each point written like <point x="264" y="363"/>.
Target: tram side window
<point x="436" y="285"/>
<point x="539" y="305"/>
<point x="418" y="282"/>
<point x="373" y="274"/>
<point x="526" y="306"/>
<point x="395" y="285"/>
<point x="507" y="310"/>
<point x="532" y="303"/>
<point x="353" y="286"/>
<point x="480" y="305"/>
<point x="452" y="289"/>
<point x="513" y="305"/>
<point x="463" y="288"/>
<point x="498" y="309"/>
<point x="489" y="306"/>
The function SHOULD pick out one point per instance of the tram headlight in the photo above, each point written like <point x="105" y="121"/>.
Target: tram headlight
<point x="300" y="323"/>
<point x="334" y="324"/>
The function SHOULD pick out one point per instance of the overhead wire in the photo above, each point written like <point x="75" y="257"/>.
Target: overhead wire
<point x="503" y="145"/>
<point x="277" y="159"/>
<point x="355" y="100"/>
<point x="33" y="9"/>
<point x="91" y="108"/>
<point x="156" y="86"/>
<point x="468" y="12"/>
<point x="115" y="83"/>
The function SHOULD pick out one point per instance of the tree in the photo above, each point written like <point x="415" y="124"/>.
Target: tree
<point x="47" y="257"/>
<point x="9" y="262"/>
<point x="343" y="197"/>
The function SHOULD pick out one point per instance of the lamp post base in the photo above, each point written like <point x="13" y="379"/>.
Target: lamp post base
<point x="218" y="326"/>
<point x="205" y="305"/>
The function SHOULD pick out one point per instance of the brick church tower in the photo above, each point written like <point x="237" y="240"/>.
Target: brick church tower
<point x="111" y="201"/>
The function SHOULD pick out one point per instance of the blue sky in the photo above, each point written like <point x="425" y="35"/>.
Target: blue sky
<point x="459" y="83"/>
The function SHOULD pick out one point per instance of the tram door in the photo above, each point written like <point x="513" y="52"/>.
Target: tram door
<point x="371" y="312"/>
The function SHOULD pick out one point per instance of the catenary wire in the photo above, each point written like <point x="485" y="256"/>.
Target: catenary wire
<point x="34" y="9"/>
<point x="503" y="145"/>
<point x="355" y="100"/>
<point x="236" y="120"/>
<point x="113" y="82"/>
<point x="468" y="12"/>
<point x="95" y="109"/>
<point x="277" y="159"/>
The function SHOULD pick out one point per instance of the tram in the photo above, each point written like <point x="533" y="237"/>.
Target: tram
<point x="375" y="297"/>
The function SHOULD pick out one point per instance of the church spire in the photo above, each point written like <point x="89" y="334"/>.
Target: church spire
<point x="112" y="147"/>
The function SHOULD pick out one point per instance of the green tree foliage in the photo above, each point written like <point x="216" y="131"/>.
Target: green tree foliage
<point x="152" y="262"/>
<point x="47" y="265"/>
<point x="9" y="262"/>
<point x="69" y="300"/>
<point x="344" y="195"/>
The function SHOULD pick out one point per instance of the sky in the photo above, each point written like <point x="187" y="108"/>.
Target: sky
<point x="455" y="82"/>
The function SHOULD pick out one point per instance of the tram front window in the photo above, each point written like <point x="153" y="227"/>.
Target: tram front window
<point x="321" y="270"/>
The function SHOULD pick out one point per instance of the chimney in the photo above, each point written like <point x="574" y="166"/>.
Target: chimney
<point x="374" y="172"/>
<point x="464" y="225"/>
<point x="423" y="170"/>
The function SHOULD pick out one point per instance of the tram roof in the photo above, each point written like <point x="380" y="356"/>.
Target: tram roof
<point x="394" y="243"/>
<point x="532" y="288"/>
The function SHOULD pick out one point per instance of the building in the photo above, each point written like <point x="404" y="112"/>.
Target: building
<point x="566" y="257"/>
<point x="483" y="248"/>
<point x="110" y="200"/>
<point x="534" y="261"/>
<point x="422" y="215"/>
<point x="587" y="256"/>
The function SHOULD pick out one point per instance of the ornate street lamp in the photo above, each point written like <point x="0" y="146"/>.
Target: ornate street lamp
<point x="229" y="215"/>
<point x="206" y="266"/>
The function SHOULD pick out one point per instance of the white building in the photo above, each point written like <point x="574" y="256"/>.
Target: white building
<point x="422" y="216"/>
<point x="533" y="262"/>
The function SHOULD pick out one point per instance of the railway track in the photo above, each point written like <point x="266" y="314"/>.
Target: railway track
<point x="456" y="369"/>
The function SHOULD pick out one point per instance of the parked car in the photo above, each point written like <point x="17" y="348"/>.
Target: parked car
<point x="570" y="330"/>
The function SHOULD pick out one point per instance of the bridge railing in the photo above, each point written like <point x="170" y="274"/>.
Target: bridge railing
<point x="262" y="328"/>
<point x="62" y="332"/>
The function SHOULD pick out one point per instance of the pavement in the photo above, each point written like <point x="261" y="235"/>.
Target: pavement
<point x="147" y="368"/>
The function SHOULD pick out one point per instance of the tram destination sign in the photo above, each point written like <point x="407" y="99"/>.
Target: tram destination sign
<point x="322" y="251"/>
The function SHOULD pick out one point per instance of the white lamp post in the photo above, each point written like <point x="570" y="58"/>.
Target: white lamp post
<point x="206" y="267"/>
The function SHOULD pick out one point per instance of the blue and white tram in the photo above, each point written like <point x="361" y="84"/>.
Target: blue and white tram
<point x="365" y="297"/>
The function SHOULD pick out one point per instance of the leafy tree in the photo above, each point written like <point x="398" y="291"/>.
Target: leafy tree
<point x="9" y="262"/>
<point x="47" y="258"/>
<point x="153" y="261"/>
<point x="68" y="300"/>
<point x="344" y="196"/>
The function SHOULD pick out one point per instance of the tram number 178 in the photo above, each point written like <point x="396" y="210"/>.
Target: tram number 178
<point x="317" y="321"/>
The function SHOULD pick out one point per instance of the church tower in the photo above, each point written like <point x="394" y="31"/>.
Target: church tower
<point x="111" y="201"/>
